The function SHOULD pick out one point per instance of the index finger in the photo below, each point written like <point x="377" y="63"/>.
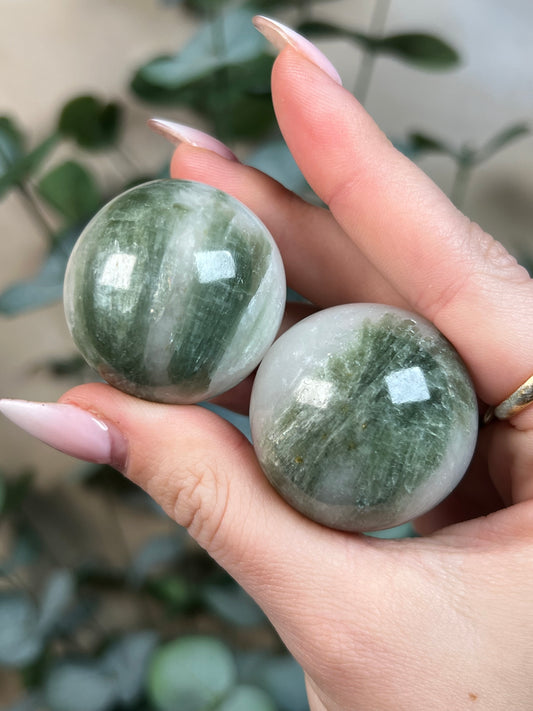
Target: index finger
<point x="446" y="268"/>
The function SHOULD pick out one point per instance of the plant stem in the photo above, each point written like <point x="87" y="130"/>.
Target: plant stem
<point x="460" y="183"/>
<point x="366" y="70"/>
<point x="35" y="210"/>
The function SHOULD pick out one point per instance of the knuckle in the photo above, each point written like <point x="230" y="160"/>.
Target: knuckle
<point x="200" y="502"/>
<point x="483" y="264"/>
<point x="495" y="258"/>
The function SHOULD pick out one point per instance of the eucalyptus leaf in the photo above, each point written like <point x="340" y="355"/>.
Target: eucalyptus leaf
<point x="46" y="286"/>
<point x="175" y="591"/>
<point x="247" y="698"/>
<point x="25" y="550"/>
<point x="318" y="29"/>
<point x="422" y="143"/>
<point x="202" y="7"/>
<point x="11" y="143"/>
<point x="71" y="190"/>
<point x="126" y="661"/>
<point x="241" y="422"/>
<point x="57" y="597"/>
<point x="233" y="605"/>
<point x="228" y="40"/>
<point x="91" y="122"/>
<point x="263" y="5"/>
<point x="27" y="164"/>
<point x="405" y="530"/>
<point x="158" y="552"/>
<point x="422" y="50"/>
<point x="191" y="674"/>
<point x="283" y="679"/>
<point x="66" y="367"/>
<point x="20" y="643"/>
<point x="79" y="685"/>
<point x="239" y="103"/>
<point x="274" y="158"/>
<point x="16" y="489"/>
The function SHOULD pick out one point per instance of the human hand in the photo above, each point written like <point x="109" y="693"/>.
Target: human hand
<point x="439" y="622"/>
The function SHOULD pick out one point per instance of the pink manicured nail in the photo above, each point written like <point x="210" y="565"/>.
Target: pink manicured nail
<point x="69" y="429"/>
<point x="178" y="133"/>
<point x="280" y="36"/>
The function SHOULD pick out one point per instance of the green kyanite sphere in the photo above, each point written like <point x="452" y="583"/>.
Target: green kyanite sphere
<point x="363" y="416"/>
<point x="174" y="291"/>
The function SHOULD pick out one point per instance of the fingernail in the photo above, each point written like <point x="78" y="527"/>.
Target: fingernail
<point x="177" y="133"/>
<point x="280" y="36"/>
<point x="69" y="429"/>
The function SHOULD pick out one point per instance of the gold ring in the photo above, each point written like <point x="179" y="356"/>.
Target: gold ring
<point x="515" y="403"/>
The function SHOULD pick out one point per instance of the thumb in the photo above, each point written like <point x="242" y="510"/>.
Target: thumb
<point x="204" y="474"/>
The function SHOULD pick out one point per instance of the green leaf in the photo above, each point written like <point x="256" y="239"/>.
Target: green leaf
<point x="406" y="530"/>
<point x="15" y="489"/>
<point x="91" y="122"/>
<point x="422" y="143"/>
<point x="247" y="698"/>
<point x="317" y="29"/>
<point x="26" y="164"/>
<point x="283" y="678"/>
<point x="262" y="6"/>
<point x="422" y="50"/>
<point x="204" y="7"/>
<point x="46" y="287"/>
<point x="227" y="41"/>
<point x="64" y="367"/>
<point x="71" y="190"/>
<point x="191" y="674"/>
<point x="79" y="686"/>
<point x="233" y="605"/>
<point x="11" y="143"/>
<point x="175" y="591"/>
<point x="126" y="661"/>
<point x="274" y="158"/>
<point x="20" y="644"/>
<point x="56" y="598"/>
<point x="157" y="553"/>
<point x="240" y="103"/>
<point x="25" y="549"/>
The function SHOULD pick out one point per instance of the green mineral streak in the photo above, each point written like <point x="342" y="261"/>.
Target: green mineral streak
<point x="380" y="451"/>
<point x="210" y="332"/>
<point x="116" y="339"/>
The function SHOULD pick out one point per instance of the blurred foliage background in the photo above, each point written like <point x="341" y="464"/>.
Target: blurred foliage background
<point x="105" y="603"/>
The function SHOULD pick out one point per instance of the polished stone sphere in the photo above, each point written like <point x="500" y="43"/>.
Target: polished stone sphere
<point x="363" y="416"/>
<point x="174" y="291"/>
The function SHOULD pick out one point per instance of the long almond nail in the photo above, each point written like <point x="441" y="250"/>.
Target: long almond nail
<point x="69" y="429"/>
<point x="280" y="36"/>
<point x="178" y="133"/>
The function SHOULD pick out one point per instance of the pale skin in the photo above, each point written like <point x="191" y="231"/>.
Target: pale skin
<point x="440" y="622"/>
